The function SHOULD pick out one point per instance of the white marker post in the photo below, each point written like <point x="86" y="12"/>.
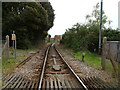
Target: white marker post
<point x="14" y="43"/>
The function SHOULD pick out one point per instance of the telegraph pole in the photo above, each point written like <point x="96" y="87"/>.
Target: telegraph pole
<point x="100" y="31"/>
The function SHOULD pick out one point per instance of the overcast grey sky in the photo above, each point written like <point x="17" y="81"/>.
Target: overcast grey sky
<point x="70" y="12"/>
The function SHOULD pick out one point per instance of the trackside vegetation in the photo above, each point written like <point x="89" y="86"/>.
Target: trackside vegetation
<point x="94" y="60"/>
<point x="9" y="65"/>
<point x="85" y="36"/>
<point x="30" y="21"/>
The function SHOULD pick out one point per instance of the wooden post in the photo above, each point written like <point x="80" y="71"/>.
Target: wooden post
<point x="104" y="53"/>
<point x="7" y="46"/>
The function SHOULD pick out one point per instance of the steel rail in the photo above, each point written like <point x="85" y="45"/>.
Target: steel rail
<point x="79" y="80"/>
<point x="44" y="64"/>
<point x="43" y="69"/>
<point x="27" y="59"/>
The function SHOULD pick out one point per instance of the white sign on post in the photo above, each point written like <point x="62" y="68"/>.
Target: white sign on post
<point x="13" y="37"/>
<point x="14" y="43"/>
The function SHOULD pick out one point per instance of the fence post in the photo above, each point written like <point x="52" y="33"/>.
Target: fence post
<point x="103" y="61"/>
<point x="7" y="46"/>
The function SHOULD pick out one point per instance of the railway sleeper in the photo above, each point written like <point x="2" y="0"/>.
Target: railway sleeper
<point x="96" y="83"/>
<point x="18" y="81"/>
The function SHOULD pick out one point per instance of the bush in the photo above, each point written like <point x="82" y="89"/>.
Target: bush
<point x="112" y="35"/>
<point x="81" y="37"/>
<point x="24" y="44"/>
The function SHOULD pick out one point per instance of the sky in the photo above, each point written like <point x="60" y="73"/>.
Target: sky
<point x="70" y="12"/>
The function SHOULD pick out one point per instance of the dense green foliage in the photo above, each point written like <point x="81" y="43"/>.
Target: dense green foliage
<point x="112" y="35"/>
<point x="80" y="37"/>
<point x="86" y="36"/>
<point x="30" y="21"/>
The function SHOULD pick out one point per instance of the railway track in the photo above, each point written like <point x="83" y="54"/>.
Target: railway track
<point x="27" y="59"/>
<point x="55" y="74"/>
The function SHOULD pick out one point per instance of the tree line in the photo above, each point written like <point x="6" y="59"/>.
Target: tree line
<point x="30" y="21"/>
<point x="86" y="36"/>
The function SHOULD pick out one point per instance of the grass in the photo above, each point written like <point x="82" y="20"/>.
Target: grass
<point x="23" y="51"/>
<point x="90" y="58"/>
<point x="94" y="60"/>
<point x="0" y="83"/>
<point x="8" y="65"/>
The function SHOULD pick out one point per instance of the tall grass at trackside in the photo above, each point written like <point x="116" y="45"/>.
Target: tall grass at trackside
<point x="0" y="84"/>
<point x="9" y="65"/>
<point x="94" y="60"/>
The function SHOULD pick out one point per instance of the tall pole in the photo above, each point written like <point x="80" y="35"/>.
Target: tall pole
<point x="100" y="31"/>
<point x="119" y="15"/>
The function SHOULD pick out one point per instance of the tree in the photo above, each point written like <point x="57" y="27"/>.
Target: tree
<point x="111" y="34"/>
<point x="94" y="18"/>
<point x="85" y="36"/>
<point x="50" y="12"/>
<point x="29" y="20"/>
